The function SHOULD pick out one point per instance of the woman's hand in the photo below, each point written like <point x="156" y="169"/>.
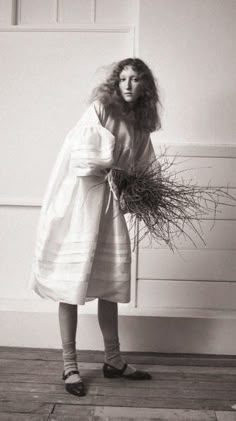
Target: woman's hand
<point x="112" y="185"/>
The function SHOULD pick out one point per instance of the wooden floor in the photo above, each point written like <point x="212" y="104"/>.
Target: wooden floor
<point x="183" y="388"/>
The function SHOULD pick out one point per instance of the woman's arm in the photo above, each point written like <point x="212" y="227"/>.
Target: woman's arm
<point x="92" y="146"/>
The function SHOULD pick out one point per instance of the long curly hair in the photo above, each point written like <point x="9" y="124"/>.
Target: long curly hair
<point x="145" y="109"/>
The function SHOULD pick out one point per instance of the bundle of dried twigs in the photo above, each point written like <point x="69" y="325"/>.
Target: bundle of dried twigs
<point x="166" y="205"/>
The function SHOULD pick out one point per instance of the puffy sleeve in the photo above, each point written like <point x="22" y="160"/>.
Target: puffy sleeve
<point x="92" y="147"/>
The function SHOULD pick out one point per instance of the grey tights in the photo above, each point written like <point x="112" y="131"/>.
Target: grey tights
<point x="108" y="322"/>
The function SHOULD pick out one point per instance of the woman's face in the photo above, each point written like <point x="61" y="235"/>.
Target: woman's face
<point x="130" y="84"/>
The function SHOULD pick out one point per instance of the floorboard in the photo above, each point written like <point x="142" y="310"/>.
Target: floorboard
<point x="183" y="388"/>
<point x="225" y="416"/>
<point x="136" y="413"/>
<point x="6" y="416"/>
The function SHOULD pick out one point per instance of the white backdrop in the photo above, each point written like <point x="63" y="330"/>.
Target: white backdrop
<point x="48" y="60"/>
<point x="45" y="78"/>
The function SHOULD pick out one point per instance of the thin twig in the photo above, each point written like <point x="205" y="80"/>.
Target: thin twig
<point x="166" y="205"/>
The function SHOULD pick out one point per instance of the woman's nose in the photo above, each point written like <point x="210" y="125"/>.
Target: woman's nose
<point x="128" y="83"/>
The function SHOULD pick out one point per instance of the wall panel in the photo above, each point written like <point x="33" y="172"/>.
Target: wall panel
<point x="6" y="12"/>
<point x="113" y="11"/>
<point x="36" y="12"/>
<point x="217" y="265"/>
<point x="47" y="12"/>
<point x="199" y="277"/>
<point x="76" y="11"/>
<point x="218" y="171"/>
<point x="215" y="235"/>
<point x="195" y="295"/>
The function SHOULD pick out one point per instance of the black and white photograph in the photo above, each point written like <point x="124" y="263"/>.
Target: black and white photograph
<point x="118" y="210"/>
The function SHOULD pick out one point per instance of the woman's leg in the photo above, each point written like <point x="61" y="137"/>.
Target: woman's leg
<point x="108" y="321"/>
<point x="68" y="327"/>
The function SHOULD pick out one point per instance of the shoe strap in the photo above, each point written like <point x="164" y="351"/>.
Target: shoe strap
<point x="122" y="370"/>
<point x="118" y="370"/>
<point x="65" y="376"/>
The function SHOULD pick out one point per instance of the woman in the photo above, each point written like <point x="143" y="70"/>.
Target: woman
<point x="83" y="246"/>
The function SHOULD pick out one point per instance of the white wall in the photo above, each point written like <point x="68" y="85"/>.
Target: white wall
<point x="50" y="50"/>
<point x="190" y="46"/>
<point x="52" y="54"/>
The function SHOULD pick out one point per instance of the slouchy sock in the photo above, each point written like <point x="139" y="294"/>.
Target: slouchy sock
<point x="108" y="321"/>
<point x="68" y="327"/>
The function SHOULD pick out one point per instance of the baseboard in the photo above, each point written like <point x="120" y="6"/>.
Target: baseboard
<point x="140" y="334"/>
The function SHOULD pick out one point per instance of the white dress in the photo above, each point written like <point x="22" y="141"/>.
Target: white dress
<point x="82" y="246"/>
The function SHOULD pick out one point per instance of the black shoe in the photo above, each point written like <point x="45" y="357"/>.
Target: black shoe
<point x="78" y="388"/>
<point x="111" y="372"/>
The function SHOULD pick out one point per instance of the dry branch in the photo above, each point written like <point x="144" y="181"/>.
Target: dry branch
<point x="167" y="205"/>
